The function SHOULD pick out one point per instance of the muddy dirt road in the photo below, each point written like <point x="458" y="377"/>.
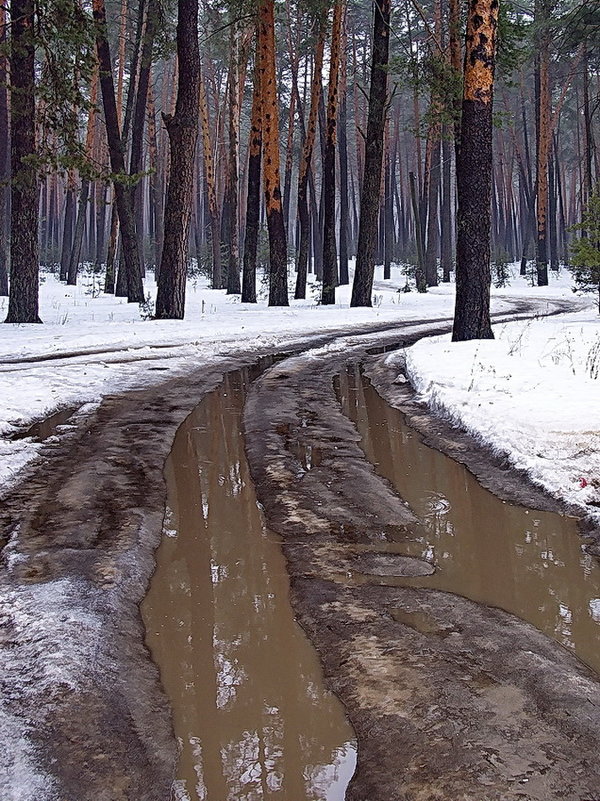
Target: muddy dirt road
<point x="448" y="698"/>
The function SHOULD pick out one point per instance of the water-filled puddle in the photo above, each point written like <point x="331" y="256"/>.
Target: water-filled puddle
<point x="527" y="562"/>
<point x="46" y="428"/>
<point x="250" y="711"/>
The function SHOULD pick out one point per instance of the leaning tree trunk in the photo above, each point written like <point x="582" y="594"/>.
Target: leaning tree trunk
<point x="330" y="273"/>
<point x="369" y="198"/>
<point x="474" y="176"/>
<point x="253" y="204"/>
<point x="123" y="195"/>
<point x="23" y="296"/>
<point x="139" y="116"/>
<point x="278" y="295"/>
<point x="182" y="128"/>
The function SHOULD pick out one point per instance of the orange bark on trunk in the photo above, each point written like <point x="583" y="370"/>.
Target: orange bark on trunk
<point x="271" y="182"/>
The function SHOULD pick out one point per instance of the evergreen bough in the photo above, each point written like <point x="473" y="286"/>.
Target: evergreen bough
<point x="585" y="251"/>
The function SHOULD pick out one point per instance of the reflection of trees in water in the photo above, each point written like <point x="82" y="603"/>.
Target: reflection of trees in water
<point x="527" y="562"/>
<point x="249" y="708"/>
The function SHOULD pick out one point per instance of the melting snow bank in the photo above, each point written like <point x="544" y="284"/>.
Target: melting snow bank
<point x="531" y="395"/>
<point x="50" y="661"/>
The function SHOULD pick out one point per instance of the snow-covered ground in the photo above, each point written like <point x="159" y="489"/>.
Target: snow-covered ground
<point x="533" y="393"/>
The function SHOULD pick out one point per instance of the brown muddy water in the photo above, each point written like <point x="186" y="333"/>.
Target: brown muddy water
<point x="44" y="429"/>
<point x="250" y="711"/>
<point x="524" y="561"/>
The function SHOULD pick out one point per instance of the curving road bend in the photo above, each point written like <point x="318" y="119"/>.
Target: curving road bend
<point x="476" y="704"/>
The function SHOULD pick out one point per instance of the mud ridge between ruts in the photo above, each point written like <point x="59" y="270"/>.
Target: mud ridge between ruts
<point x="448" y="698"/>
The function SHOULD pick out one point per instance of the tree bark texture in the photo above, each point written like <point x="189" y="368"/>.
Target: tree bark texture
<point x="370" y="192"/>
<point x="388" y="215"/>
<point x="253" y="204"/>
<point x="85" y="188"/>
<point x="182" y="128"/>
<point x="542" y="86"/>
<point x="330" y="270"/>
<point x="4" y="159"/>
<point x="420" y="279"/>
<point x="23" y="300"/>
<point x="209" y="177"/>
<point x="344" y="205"/>
<point x="139" y="115"/>
<point x="305" y="166"/>
<point x="278" y="295"/>
<point x="474" y="176"/>
<point x="123" y="194"/>
<point x="446" y="243"/>
<point x="233" y="265"/>
<point x="433" y="192"/>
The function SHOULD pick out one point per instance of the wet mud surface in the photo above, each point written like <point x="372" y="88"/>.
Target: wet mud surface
<point x="250" y="709"/>
<point x="448" y="698"/>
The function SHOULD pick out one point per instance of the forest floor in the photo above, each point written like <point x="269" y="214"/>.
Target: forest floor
<point x="480" y="704"/>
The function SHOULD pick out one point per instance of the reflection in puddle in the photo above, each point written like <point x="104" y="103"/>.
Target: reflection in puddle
<point x="249" y="707"/>
<point x="527" y="562"/>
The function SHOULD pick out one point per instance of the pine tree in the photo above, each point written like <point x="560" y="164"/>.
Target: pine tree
<point x="182" y="128"/>
<point x="23" y="301"/>
<point x="278" y="295"/>
<point x="585" y="252"/>
<point x="474" y="176"/>
<point x="369" y="198"/>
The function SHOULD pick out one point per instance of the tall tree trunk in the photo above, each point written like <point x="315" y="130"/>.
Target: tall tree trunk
<point x="474" y="176"/>
<point x="233" y="266"/>
<point x="343" y="155"/>
<point x="139" y="117"/>
<point x="253" y="204"/>
<point x="23" y="300"/>
<point x="154" y="194"/>
<point x="305" y="166"/>
<point x="182" y="128"/>
<point x="122" y="284"/>
<point x="369" y="199"/>
<point x="446" y="244"/>
<point x="587" y="129"/>
<point x="111" y="255"/>
<point x="85" y="188"/>
<point x="329" y="244"/>
<point x="287" y="173"/>
<point x="433" y="192"/>
<point x="542" y="87"/>
<point x="101" y="203"/>
<point x="420" y="279"/>
<point x="211" y="188"/>
<point x="278" y="295"/>
<point x="4" y="158"/>
<point x="388" y="216"/>
<point x="68" y="223"/>
<point x="454" y="55"/>
<point x="123" y="197"/>
<point x="552" y="208"/>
